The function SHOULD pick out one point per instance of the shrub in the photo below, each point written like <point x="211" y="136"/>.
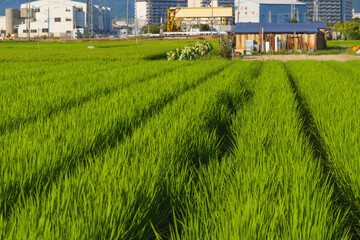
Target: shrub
<point x="190" y="52"/>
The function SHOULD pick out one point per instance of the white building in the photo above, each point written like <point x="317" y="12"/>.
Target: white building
<point x="2" y="26"/>
<point x="354" y="15"/>
<point x="57" y="18"/>
<point x="269" y="11"/>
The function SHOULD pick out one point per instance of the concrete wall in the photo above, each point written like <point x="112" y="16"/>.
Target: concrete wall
<point x="140" y="13"/>
<point x="247" y="12"/>
<point x="2" y="25"/>
<point x="303" y="41"/>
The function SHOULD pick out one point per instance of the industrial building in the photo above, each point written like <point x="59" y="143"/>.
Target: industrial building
<point x="331" y="11"/>
<point x="154" y="11"/>
<point x="216" y="17"/>
<point x="56" y="18"/>
<point x="264" y="37"/>
<point x="270" y="11"/>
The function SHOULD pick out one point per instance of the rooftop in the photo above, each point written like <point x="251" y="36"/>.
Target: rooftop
<point x="279" y="27"/>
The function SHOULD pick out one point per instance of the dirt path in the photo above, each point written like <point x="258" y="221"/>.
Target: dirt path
<point x="285" y="58"/>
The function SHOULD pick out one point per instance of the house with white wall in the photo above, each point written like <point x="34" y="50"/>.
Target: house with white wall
<point x="56" y="18"/>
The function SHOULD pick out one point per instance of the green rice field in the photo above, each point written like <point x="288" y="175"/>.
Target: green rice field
<point x="117" y="142"/>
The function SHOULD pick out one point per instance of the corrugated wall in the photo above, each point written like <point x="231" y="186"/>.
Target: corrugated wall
<point x="304" y="41"/>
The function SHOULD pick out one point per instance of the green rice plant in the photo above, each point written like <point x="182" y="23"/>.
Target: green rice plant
<point x="78" y="51"/>
<point x="332" y="97"/>
<point x="28" y="97"/>
<point x="36" y="153"/>
<point x="107" y="143"/>
<point x="128" y="192"/>
<point x="270" y="187"/>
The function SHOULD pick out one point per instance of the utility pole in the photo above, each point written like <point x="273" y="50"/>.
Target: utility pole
<point x="92" y="18"/>
<point x="149" y="17"/>
<point x="127" y="19"/>
<point x="269" y="16"/>
<point x="136" y="27"/>
<point x="297" y="15"/>
<point x="28" y="18"/>
<point x="49" y="22"/>
<point x="87" y="28"/>
<point x="212" y="17"/>
<point x="101" y="17"/>
<point x="316" y="11"/>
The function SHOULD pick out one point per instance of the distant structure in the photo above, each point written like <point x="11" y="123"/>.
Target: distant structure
<point x="355" y="15"/>
<point x="270" y="11"/>
<point x="56" y="18"/>
<point x="265" y="37"/>
<point x="154" y="11"/>
<point x="331" y="11"/>
<point x="210" y="3"/>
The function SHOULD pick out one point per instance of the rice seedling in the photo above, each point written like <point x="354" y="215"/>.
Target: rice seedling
<point x="45" y="93"/>
<point x="270" y="187"/>
<point x="36" y="153"/>
<point x="110" y="143"/>
<point x="333" y="103"/>
<point x="128" y="191"/>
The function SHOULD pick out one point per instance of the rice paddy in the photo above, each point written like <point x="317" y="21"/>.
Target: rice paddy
<point x="117" y="142"/>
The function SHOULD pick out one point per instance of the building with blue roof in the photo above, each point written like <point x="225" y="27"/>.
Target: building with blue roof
<point x="280" y="36"/>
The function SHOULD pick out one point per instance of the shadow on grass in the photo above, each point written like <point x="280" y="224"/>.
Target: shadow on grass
<point x="342" y="198"/>
<point x="161" y="56"/>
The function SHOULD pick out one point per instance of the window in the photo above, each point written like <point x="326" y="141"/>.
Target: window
<point x="68" y="19"/>
<point x="33" y="31"/>
<point x="45" y="30"/>
<point x="3" y="31"/>
<point x="37" y="9"/>
<point x="67" y="10"/>
<point x="57" y="19"/>
<point x="80" y="9"/>
<point x="25" y="31"/>
<point x="68" y="32"/>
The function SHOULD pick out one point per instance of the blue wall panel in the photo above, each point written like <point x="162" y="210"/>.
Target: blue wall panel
<point x="280" y="13"/>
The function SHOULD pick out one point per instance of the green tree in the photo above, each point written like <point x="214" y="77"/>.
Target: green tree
<point x="154" y="29"/>
<point x="203" y="27"/>
<point x="347" y="29"/>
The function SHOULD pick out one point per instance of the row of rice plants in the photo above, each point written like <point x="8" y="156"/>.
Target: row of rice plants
<point x="26" y="73"/>
<point x="334" y="104"/>
<point x="36" y="97"/>
<point x="36" y="153"/>
<point x="109" y="51"/>
<point x="129" y="192"/>
<point x="270" y="187"/>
